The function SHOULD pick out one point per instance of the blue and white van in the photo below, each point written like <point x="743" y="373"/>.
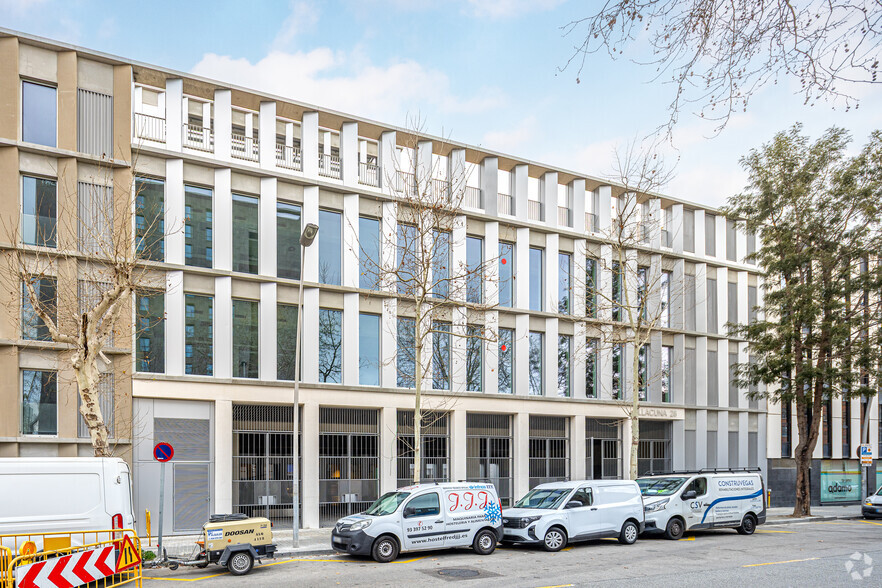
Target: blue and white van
<point x="677" y="502"/>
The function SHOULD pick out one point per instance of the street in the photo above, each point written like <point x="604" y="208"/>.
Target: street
<point x="820" y="553"/>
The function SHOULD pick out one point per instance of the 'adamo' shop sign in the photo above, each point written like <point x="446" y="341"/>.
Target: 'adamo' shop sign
<point x="840" y="481"/>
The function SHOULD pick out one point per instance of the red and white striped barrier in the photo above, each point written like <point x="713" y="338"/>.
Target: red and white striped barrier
<point x="69" y="570"/>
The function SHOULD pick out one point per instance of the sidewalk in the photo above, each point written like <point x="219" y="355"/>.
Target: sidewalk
<point x="312" y="542"/>
<point x="780" y="515"/>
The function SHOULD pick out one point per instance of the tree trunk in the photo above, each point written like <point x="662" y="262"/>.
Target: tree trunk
<point x="803" y="507"/>
<point x="87" y="374"/>
<point x="417" y="409"/>
<point x="634" y="415"/>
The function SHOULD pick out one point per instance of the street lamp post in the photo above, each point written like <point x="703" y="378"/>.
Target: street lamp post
<point x="306" y="239"/>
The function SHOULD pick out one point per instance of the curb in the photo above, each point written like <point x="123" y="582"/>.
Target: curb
<point x="297" y="552"/>
<point x="811" y="519"/>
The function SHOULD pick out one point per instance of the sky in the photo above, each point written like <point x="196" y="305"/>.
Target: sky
<point x="484" y="72"/>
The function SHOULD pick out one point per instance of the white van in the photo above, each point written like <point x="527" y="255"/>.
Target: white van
<point x="425" y="516"/>
<point x="556" y="513"/>
<point x="64" y="495"/>
<point x="678" y="502"/>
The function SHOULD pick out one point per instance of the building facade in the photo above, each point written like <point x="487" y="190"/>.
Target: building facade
<point x="224" y="177"/>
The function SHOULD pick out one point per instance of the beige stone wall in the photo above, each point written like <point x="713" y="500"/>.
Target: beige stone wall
<point x="10" y="89"/>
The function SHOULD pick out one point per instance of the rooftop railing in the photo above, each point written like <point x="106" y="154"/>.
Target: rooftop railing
<point x="289" y="157"/>
<point x="564" y="216"/>
<point x="242" y="147"/>
<point x="329" y="166"/>
<point x="369" y="174"/>
<point x="505" y="204"/>
<point x="149" y="127"/>
<point x="198" y="137"/>
<point x="534" y="210"/>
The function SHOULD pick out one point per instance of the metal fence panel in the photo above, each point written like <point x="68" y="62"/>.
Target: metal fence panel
<point x="94" y="123"/>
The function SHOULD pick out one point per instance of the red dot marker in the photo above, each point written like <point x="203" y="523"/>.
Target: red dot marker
<point x="503" y="261"/>
<point x="504" y="347"/>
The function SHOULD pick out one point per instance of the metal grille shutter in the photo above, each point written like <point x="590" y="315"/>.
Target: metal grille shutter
<point x="94" y="123"/>
<point x="191" y="494"/>
<point x="94" y="219"/>
<point x="189" y="437"/>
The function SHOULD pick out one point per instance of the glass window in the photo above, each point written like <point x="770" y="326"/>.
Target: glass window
<point x="39" y="114"/>
<point x="44" y="295"/>
<point x="406" y="364"/>
<point x="564" y="358"/>
<point x="591" y="367"/>
<point x="199" y="338"/>
<point x="39" y="211"/>
<point x="591" y="287"/>
<point x="245" y="234"/>
<point x="474" y="359"/>
<point x="330" y="247"/>
<point x="369" y="349"/>
<point x="665" y="299"/>
<point x="564" y="283"/>
<point x="506" y="361"/>
<point x="246" y="338"/>
<point x="537" y="279"/>
<point x="536" y="357"/>
<point x="39" y="403"/>
<point x="407" y="263"/>
<point x="618" y="371"/>
<point x="440" y="356"/>
<point x="667" y="361"/>
<point x="150" y="333"/>
<point x="286" y="334"/>
<point x="506" y="274"/>
<point x="440" y="264"/>
<point x="712" y="321"/>
<point x="731" y="251"/>
<point x="642" y="370"/>
<point x="427" y="505"/>
<point x="288" y="240"/>
<point x="198" y="228"/>
<point x="150" y="218"/>
<point x="475" y="265"/>
<point x="710" y="235"/>
<point x="330" y="345"/>
<point x="369" y="256"/>
<point x="642" y="294"/>
<point x="582" y="496"/>
<point x="616" y="291"/>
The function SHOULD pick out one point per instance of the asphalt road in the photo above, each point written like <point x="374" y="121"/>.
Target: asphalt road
<point x="795" y="554"/>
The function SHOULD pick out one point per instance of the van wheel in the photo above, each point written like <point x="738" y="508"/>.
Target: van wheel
<point x="240" y="563"/>
<point x="485" y="542"/>
<point x="385" y="549"/>
<point x="555" y="539"/>
<point x="748" y="525"/>
<point x="629" y="533"/>
<point x="675" y="529"/>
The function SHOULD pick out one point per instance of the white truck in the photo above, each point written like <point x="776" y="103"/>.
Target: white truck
<point x="64" y="495"/>
<point x="707" y="499"/>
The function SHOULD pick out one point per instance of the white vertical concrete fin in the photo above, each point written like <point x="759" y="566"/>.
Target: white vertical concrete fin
<point x="175" y="323"/>
<point x="223" y="327"/>
<point x="349" y="152"/>
<point x="490" y="184"/>
<point x="267" y="332"/>
<point x="388" y="162"/>
<point x="350" y="339"/>
<point x="310" y="263"/>
<point x="521" y="190"/>
<point x="267" y="135"/>
<point x="175" y="212"/>
<point x="309" y="143"/>
<point x="351" y="247"/>
<point x="174" y="120"/>
<point x="267" y="256"/>
<point x="223" y="219"/>
<point x="223" y="123"/>
<point x="578" y="205"/>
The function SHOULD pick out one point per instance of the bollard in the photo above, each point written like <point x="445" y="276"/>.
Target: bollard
<point x="147" y="527"/>
<point x="769" y="500"/>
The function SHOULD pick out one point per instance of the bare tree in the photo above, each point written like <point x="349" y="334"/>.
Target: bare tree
<point x="633" y="300"/>
<point x="717" y="55"/>
<point x="436" y="295"/>
<point x="74" y="265"/>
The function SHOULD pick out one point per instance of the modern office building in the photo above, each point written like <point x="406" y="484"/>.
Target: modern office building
<point x="224" y="177"/>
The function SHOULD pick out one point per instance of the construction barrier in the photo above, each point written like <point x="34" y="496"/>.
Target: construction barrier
<point x="96" y="559"/>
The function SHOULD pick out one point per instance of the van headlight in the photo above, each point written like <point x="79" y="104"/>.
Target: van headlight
<point x="656" y="506"/>
<point x="868" y="502"/>
<point x="364" y="524"/>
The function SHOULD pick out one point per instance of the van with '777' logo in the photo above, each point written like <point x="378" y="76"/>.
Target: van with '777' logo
<point x="421" y="517"/>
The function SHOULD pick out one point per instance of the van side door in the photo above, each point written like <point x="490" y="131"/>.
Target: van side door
<point x="586" y="518"/>
<point x="423" y="523"/>
<point x="696" y="509"/>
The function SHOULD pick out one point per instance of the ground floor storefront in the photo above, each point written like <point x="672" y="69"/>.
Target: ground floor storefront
<point x="833" y="481"/>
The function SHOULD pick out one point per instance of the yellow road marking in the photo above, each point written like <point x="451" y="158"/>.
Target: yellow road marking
<point x="410" y="560"/>
<point x="692" y="538"/>
<point x="186" y="579"/>
<point x="774" y="563"/>
<point x="869" y="522"/>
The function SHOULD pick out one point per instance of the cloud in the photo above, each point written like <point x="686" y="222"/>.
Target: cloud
<point x="499" y="9"/>
<point x="511" y="138"/>
<point x="304" y="16"/>
<point x="350" y="83"/>
<point x="19" y="7"/>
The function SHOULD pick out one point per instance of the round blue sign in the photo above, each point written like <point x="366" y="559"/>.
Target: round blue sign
<point x="163" y="452"/>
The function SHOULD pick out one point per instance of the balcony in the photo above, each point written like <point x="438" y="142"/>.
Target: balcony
<point x="591" y="222"/>
<point x="242" y="147"/>
<point x="473" y="198"/>
<point x="504" y="204"/>
<point x="407" y="183"/>
<point x="289" y="157"/>
<point x="329" y="166"/>
<point x="564" y="217"/>
<point x="369" y="174"/>
<point x="198" y="137"/>
<point x="441" y="188"/>
<point x="151" y="128"/>
<point x="534" y="211"/>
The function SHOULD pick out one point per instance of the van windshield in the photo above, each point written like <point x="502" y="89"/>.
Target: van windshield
<point x="543" y="498"/>
<point x="659" y="486"/>
<point x="387" y="504"/>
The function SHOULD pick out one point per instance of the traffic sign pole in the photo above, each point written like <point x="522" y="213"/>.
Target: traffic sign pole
<point x="162" y="453"/>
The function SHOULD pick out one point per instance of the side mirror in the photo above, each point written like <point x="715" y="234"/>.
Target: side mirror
<point x="689" y="495"/>
<point x="573" y="504"/>
<point x="409" y="512"/>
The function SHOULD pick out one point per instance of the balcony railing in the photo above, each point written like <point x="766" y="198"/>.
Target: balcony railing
<point x="149" y="127"/>
<point x="289" y="157"/>
<point x="534" y="210"/>
<point x="242" y="147"/>
<point x="407" y="183"/>
<point x="369" y="174"/>
<point x="441" y="188"/>
<point x="591" y="222"/>
<point x="505" y="204"/>
<point x="198" y="137"/>
<point x="329" y="166"/>
<point x="473" y="198"/>
<point x="564" y="217"/>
